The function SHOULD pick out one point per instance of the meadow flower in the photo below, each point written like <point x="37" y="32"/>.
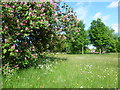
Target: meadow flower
<point x="81" y="87"/>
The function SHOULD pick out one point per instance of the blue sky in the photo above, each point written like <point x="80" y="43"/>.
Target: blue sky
<point x="88" y="11"/>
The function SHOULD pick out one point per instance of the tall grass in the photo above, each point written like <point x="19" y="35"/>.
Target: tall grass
<point x="78" y="71"/>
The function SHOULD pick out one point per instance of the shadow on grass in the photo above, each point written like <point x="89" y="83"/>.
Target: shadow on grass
<point x="44" y="60"/>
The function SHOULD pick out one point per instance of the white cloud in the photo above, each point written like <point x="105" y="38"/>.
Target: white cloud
<point x="81" y="12"/>
<point x="115" y="27"/>
<point x="113" y="4"/>
<point x="104" y="18"/>
<point x="99" y="15"/>
<point x="79" y="3"/>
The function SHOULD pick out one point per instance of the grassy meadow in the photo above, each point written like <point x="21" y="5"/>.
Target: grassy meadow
<point x="78" y="71"/>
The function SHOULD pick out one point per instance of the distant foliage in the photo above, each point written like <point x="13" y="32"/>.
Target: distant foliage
<point x="100" y="35"/>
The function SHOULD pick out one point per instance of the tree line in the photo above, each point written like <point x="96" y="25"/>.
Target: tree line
<point x="99" y="35"/>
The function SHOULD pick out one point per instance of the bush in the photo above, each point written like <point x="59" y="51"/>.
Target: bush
<point x="30" y="28"/>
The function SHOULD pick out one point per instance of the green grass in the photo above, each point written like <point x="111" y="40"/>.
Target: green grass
<point x="78" y="71"/>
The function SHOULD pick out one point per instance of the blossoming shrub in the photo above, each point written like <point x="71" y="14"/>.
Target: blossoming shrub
<point x="30" y="28"/>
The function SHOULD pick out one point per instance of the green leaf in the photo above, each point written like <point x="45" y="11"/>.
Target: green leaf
<point x="11" y="54"/>
<point x="4" y="51"/>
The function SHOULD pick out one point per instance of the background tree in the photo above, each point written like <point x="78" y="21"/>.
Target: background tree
<point x="82" y="36"/>
<point x="100" y="35"/>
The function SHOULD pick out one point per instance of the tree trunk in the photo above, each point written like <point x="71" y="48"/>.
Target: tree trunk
<point x="100" y="51"/>
<point x="82" y="50"/>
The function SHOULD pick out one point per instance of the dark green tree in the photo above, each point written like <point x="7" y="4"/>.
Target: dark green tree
<point x="82" y="40"/>
<point x="100" y="35"/>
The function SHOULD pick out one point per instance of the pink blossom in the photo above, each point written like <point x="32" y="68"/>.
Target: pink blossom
<point x="18" y="33"/>
<point x="30" y="8"/>
<point x="33" y="49"/>
<point x="41" y="20"/>
<point x="21" y="3"/>
<point x="18" y="27"/>
<point x="6" y="41"/>
<point x="76" y="30"/>
<point x="78" y="19"/>
<point x="51" y="1"/>
<point x="26" y="28"/>
<point x="11" y="11"/>
<point x="33" y="2"/>
<point x="55" y="19"/>
<point x="16" y="66"/>
<point x="13" y="47"/>
<point x="54" y="5"/>
<point x="42" y="10"/>
<point x="39" y="5"/>
<point x="16" y="50"/>
<point x="64" y="37"/>
<point x="6" y="27"/>
<point x="21" y="24"/>
<point x="43" y="14"/>
<point x="60" y="12"/>
<point x="78" y="33"/>
<point x="6" y="64"/>
<point x="11" y="16"/>
<point x="13" y="6"/>
<point x="24" y="43"/>
<point x="31" y="30"/>
<point x="48" y="24"/>
<point x="6" y="5"/>
<point x="30" y="13"/>
<point x="42" y="1"/>
<point x="17" y="21"/>
<point x="60" y="30"/>
<point x="67" y="20"/>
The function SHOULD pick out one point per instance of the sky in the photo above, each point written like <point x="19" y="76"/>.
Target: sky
<point x="88" y="11"/>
